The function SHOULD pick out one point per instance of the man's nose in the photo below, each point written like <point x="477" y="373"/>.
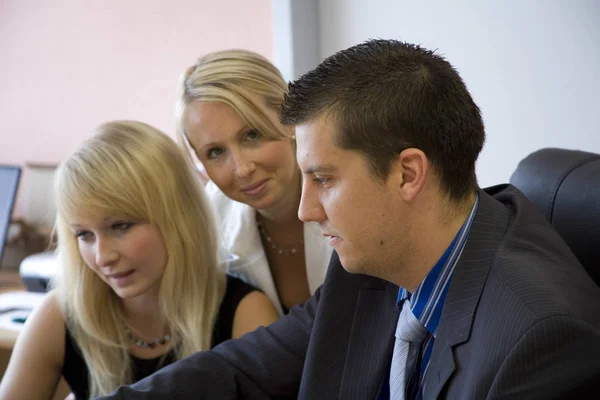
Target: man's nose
<point x="310" y="209"/>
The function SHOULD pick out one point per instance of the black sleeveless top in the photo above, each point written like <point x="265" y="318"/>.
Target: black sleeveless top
<point x="75" y="370"/>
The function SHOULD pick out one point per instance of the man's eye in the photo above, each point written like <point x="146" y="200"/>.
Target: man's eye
<point x="214" y="153"/>
<point x="321" y="180"/>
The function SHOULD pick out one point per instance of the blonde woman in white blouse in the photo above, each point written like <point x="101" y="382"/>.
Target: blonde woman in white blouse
<point x="227" y="112"/>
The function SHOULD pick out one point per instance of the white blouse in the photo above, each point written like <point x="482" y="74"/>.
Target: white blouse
<point x="242" y="249"/>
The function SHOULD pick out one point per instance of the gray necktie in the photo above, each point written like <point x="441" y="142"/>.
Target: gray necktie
<point x="410" y="334"/>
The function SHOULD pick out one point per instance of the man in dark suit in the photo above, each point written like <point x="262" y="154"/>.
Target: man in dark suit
<point x="437" y="289"/>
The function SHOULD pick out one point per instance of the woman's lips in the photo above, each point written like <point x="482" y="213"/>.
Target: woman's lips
<point x="255" y="189"/>
<point x="122" y="278"/>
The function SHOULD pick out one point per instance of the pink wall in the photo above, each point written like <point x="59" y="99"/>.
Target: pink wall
<point x="68" y="65"/>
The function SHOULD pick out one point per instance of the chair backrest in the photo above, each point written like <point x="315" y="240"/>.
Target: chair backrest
<point x="565" y="186"/>
<point x="9" y="182"/>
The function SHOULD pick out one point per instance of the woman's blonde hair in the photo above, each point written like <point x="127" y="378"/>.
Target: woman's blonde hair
<point x="131" y="170"/>
<point x="236" y="78"/>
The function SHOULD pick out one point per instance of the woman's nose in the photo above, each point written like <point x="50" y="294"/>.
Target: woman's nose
<point x="243" y="167"/>
<point x="106" y="253"/>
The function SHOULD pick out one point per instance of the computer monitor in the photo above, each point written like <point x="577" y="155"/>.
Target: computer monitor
<point x="9" y="182"/>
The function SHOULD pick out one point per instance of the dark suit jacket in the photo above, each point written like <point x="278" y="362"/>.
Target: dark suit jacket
<point x="521" y="320"/>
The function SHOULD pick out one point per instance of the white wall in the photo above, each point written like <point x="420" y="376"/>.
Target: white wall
<point x="296" y="38"/>
<point x="532" y="66"/>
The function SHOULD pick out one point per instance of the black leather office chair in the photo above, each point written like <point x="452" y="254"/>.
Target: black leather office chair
<point x="565" y="186"/>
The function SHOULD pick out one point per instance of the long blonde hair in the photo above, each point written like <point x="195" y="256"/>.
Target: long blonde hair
<point x="234" y="77"/>
<point x="131" y="169"/>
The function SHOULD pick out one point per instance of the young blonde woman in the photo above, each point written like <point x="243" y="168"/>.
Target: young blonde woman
<point x="140" y="286"/>
<point x="227" y="112"/>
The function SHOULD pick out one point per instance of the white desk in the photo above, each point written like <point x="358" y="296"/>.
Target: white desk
<point x="11" y="282"/>
<point x="15" y="307"/>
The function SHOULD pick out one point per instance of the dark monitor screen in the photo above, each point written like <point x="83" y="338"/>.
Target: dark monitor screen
<point x="9" y="182"/>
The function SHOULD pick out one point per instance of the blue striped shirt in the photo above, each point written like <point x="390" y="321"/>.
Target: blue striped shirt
<point x="428" y="299"/>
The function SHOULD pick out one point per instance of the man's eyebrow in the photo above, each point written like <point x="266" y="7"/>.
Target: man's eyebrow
<point x="320" y="169"/>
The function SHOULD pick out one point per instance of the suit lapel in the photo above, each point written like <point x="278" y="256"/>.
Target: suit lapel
<point x="466" y="287"/>
<point x="371" y="340"/>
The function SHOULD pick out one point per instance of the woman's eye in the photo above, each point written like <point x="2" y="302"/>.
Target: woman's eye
<point x="252" y="135"/>
<point x="214" y="153"/>
<point x="83" y="235"/>
<point x="122" y="226"/>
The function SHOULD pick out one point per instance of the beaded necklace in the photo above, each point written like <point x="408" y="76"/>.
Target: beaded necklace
<point x="142" y="343"/>
<point x="284" y="251"/>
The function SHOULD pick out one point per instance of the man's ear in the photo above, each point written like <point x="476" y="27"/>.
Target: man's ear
<point x="410" y="170"/>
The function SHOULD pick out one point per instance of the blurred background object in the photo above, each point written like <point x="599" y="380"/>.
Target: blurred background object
<point x="9" y="182"/>
<point x="29" y="237"/>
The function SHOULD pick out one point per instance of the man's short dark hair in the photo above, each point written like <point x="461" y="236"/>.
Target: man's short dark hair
<point x="386" y="96"/>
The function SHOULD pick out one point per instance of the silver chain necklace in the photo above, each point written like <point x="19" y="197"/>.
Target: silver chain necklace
<point x="142" y="343"/>
<point x="284" y="251"/>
